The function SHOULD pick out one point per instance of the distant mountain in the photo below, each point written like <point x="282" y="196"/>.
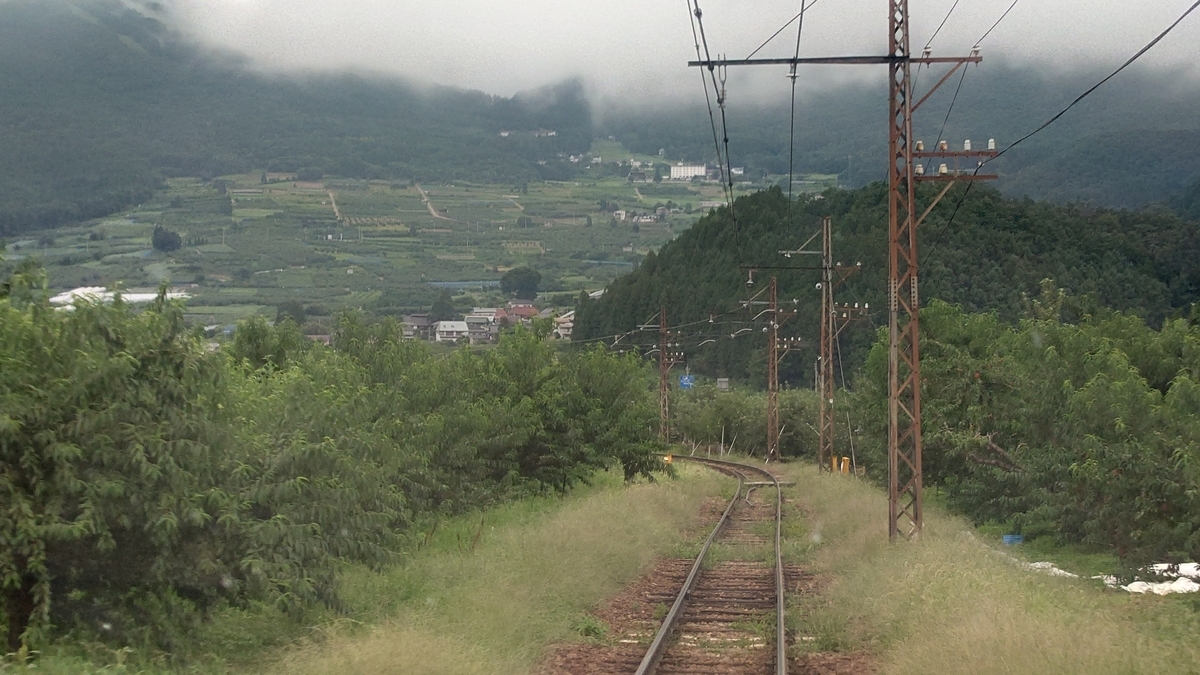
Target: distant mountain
<point x="1135" y="141"/>
<point x="101" y="102"/>
<point x="992" y="257"/>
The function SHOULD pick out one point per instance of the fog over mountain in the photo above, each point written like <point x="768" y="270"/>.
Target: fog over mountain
<point x="618" y="46"/>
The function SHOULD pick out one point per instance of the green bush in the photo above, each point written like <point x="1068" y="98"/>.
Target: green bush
<point x="146" y="479"/>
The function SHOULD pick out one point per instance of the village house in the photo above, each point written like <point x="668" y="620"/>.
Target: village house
<point x="449" y="331"/>
<point x="481" y="329"/>
<point x="522" y="310"/>
<point x="416" y="327"/>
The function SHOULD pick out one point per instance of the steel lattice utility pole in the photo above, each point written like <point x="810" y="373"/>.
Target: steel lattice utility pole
<point x="833" y="320"/>
<point x="905" y="498"/>
<point x="904" y="374"/>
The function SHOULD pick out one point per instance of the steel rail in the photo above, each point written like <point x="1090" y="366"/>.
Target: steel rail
<point x="659" y="645"/>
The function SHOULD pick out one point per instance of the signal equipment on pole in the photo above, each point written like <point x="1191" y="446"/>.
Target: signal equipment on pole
<point x="669" y="354"/>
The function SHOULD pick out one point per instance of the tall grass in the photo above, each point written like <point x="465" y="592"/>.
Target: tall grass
<point x="951" y="603"/>
<point x="487" y="603"/>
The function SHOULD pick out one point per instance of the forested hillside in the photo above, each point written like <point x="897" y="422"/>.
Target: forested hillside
<point x="993" y="256"/>
<point x="101" y="103"/>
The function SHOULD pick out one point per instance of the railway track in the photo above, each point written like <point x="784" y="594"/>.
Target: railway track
<point x="728" y="615"/>
<point x="720" y="613"/>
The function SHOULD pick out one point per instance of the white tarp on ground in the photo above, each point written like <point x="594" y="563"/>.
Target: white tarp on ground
<point x="101" y="294"/>
<point x="1184" y="578"/>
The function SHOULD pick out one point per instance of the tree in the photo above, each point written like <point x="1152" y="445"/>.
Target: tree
<point x="588" y="222"/>
<point x="291" y="310"/>
<point x="165" y="240"/>
<point x="443" y="308"/>
<point x="521" y="282"/>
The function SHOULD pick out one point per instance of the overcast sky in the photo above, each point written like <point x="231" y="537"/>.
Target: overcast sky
<point x="634" y="48"/>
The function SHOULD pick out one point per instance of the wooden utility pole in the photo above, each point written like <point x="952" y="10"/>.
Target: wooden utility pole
<point x="905" y="500"/>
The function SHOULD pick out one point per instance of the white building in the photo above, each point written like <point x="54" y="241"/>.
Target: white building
<point x="102" y="295"/>
<point x="565" y="325"/>
<point x="449" y="331"/>
<point x="688" y="171"/>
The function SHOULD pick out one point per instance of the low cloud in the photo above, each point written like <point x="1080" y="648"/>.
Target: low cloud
<point x="634" y="49"/>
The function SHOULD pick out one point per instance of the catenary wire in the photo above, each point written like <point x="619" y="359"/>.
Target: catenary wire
<point x="782" y="28"/>
<point x="989" y="31"/>
<point x="697" y="21"/>
<point x="792" y="120"/>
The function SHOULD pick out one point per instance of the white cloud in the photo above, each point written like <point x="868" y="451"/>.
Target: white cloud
<point x="636" y="48"/>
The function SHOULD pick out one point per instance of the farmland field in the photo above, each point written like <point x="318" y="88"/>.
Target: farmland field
<point x="249" y="246"/>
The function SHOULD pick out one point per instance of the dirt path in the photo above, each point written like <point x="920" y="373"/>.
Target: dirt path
<point x="333" y="200"/>
<point x="429" y="205"/>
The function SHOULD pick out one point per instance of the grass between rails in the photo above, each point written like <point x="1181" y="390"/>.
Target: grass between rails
<point x="952" y="603"/>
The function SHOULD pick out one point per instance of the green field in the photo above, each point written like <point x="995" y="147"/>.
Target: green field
<point x="253" y="246"/>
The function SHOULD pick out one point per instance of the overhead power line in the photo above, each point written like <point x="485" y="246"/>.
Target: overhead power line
<point x="989" y="31"/>
<point x="1150" y="45"/>
<point x="799" y="15"/>
<point x="792" y="121"/>
<point x="695" y="15"/>
<point x="942" y="24"/>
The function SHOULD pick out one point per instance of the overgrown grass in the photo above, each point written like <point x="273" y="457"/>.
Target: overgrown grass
<point x="952" y="603"/>
<point x="529" y="581"/>
<point x="484" y="593"/>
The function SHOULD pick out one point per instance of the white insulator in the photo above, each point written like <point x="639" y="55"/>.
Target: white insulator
<point x="991" y="144"/>
<point x="967" y="144"/>
<point x="943" y="170"/>
<point x="920" y="146"/>
<point x="943" y="146"/>
<point x="919" y="170"/>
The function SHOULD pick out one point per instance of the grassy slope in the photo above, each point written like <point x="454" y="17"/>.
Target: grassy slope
<point x="527" y="584"/>
<point x="488" y="595"/>
<point x="955" y="604"/>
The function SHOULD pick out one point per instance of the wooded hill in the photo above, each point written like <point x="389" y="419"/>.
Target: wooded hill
<point x="991" y="258"/>
<point x="101" y="103"/>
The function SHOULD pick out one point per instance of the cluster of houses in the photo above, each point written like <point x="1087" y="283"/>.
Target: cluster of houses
<point x="660" y="214"/>
<point x="483" y="324"/>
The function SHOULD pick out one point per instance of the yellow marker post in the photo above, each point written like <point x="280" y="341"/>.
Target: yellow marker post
<point x="846" y="465"/>
<point x="667" y="459"/>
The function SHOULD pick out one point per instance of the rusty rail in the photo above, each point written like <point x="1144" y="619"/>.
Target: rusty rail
<point x="658" y="646"/>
